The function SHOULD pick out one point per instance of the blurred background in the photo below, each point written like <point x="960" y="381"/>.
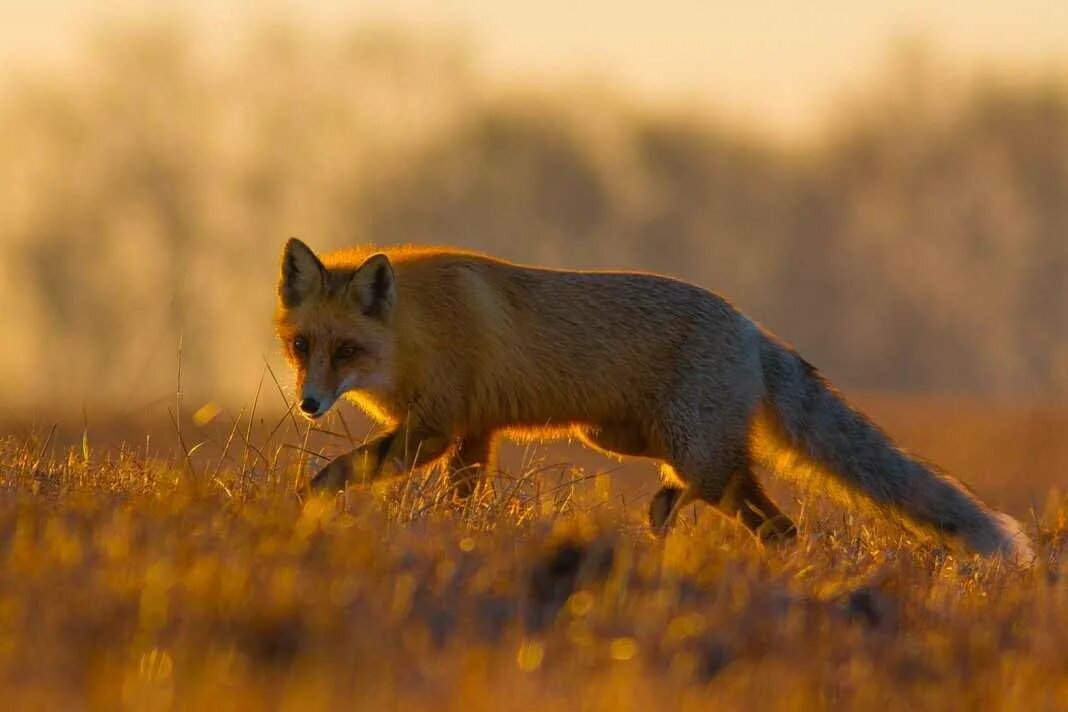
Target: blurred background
<point x="886" y="187"/>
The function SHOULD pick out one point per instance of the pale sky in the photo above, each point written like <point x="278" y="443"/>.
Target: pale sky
<point x="778" y="63"/>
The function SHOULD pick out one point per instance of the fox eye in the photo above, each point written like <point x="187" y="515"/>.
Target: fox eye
<point x="300" y="346"/>
<point x="347" y="351"/>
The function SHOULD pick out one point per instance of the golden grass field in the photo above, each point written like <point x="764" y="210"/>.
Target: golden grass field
<point x="912" y="242"/>
<point x="159" y="581"/>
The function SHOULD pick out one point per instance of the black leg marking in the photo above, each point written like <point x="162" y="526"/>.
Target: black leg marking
<point x="662" y="509"/>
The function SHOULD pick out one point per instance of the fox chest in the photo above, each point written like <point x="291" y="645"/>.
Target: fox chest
<point x="377" y="407"/>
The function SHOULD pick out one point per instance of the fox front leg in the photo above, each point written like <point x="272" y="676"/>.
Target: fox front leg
<point x="358" y="465"/>
<point x="389" y="455"/>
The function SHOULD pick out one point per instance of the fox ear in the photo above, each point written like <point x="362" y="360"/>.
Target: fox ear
<point x="302" y="275"/>
<point x="372" y="286"/>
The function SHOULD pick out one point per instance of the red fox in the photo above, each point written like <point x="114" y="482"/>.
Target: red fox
<point x="450" y="349"/>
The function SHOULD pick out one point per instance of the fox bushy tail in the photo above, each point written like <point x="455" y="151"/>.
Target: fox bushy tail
<point x="806" y="429"/>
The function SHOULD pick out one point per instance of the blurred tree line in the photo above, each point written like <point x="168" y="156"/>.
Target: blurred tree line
<point x="920" y="243"/>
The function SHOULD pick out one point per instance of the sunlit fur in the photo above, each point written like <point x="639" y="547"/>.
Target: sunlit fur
<point x="633" y="364"/>
<point x="329" y="315"/>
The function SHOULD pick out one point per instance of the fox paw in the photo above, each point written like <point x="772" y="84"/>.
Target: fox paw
<point x="333" y="478"/>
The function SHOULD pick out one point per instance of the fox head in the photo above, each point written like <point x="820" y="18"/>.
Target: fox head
<point x="334" y="324"/>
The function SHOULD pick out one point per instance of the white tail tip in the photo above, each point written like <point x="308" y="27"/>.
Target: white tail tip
<point x="1015" y="544"/>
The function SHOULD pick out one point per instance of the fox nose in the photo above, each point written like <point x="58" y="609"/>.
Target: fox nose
<point x="310" y="406"/>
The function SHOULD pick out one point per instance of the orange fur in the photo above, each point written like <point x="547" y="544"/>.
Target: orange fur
<point x="451" y="349"/>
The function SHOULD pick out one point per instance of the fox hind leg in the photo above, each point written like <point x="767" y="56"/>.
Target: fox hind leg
<point x="743" y="499"/>
<point x="474" y="458"/>
<point x="721" y="476"/>
<point x="718" y="470"/>
<point x="631" y="440"/>
<point x="668" y="501"/>
<point x="740" y="496"/>
<point x="746" y="500"/>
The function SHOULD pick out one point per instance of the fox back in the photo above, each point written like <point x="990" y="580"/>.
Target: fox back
<point x="469" y="341"/>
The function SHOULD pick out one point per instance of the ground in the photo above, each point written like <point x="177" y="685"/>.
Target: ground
<point x="130" y="579"/>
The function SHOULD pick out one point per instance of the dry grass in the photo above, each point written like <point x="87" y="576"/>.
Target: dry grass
<point x="154" y="583"/>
